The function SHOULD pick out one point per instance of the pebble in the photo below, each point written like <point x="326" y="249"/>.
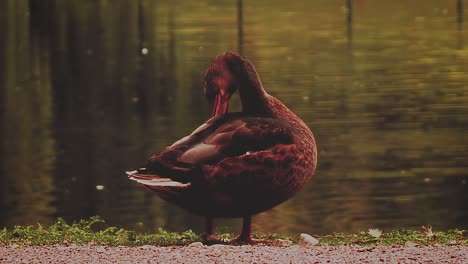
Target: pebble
<point x="218" y="246"/>
<point x="101" y="249"/>
<point x="308" y="240"/>
<point x="147" y="247"/>
<point x="196" y="244"/>
<point x="283" y="243"/>
<point x="410" y="244"/>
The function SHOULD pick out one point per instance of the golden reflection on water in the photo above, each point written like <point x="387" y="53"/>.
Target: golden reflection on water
<point x="91" y="89"/>
<point x="27" y="150"/>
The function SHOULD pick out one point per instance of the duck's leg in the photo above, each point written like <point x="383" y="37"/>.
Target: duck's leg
<point x="209" y="236"/>
<point x="209" y="227"/>
<point x="245" y="236"/>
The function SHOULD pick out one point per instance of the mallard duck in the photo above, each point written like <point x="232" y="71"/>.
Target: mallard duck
<point x="235" y="164"/>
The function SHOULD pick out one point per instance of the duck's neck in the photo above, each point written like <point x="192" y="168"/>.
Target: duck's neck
<point x="253" y="97"/>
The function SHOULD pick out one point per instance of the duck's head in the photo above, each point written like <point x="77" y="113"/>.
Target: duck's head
<point x="221" y="82"/>
<point x="229" y="72"/>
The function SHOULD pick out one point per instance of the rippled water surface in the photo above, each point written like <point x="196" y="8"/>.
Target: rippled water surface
<point x="90" y="89"/>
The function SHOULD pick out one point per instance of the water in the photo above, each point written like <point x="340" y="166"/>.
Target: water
<point x="90" y="89"/>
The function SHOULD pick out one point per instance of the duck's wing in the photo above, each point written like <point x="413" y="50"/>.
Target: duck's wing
<point x="218" y="142"/>
<point x="236" y="137"/>
<point x="263" y="158"/>
<point x="258" y="172"/>
<point x="165" y="169"/>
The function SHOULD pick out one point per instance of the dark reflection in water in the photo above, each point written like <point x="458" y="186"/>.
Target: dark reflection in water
<point x="90" y="89"/>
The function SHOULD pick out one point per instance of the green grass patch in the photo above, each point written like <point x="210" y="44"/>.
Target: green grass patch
<point x="399" y="237"/>
<point x="92" y="232"/>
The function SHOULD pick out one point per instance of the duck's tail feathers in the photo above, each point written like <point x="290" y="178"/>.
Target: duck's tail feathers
<point x="155" y="180"/>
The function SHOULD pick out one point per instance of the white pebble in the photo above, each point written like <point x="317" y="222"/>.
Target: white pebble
<point x="308" y="240"/>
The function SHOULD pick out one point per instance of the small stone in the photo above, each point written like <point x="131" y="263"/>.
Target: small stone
<point x="196" y="244"/>
<point x="62" y="248"/>
<point x="283" y="243"/>
<point x="101" y="249"/>
<point x="146" y="247"/>
<point x="308" y="240"/>
<point x="374" y="232"/>
<point x="410" y="244"/>
<point x="453" y="242"/>
<point x="217" y="245"/>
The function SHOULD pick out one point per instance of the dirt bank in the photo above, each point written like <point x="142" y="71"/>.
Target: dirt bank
<point x="233" y="254"/>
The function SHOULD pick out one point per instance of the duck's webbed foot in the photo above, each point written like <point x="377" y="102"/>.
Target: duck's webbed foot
<point x="209" y="237"/>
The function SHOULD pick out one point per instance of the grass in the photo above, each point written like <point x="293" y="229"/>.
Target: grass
<point x="88" y="232"/>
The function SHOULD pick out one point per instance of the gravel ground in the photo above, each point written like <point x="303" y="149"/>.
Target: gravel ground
<point x="197" y="253"/>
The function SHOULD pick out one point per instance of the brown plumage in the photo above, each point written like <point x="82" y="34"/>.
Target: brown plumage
<point x="235" y="164"/>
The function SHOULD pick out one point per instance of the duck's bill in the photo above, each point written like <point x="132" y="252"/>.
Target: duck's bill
<point x="220" y="105"/>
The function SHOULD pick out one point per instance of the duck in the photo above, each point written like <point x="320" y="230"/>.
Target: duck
<point x="237" y="164"/>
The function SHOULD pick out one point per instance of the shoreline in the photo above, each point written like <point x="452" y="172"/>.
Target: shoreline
<point x="197" y="253"/>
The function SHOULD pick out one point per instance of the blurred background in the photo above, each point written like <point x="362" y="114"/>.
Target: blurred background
<point x="90" y="89"/>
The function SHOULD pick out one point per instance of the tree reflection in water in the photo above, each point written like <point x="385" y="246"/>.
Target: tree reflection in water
<point x="89" y="88"/>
